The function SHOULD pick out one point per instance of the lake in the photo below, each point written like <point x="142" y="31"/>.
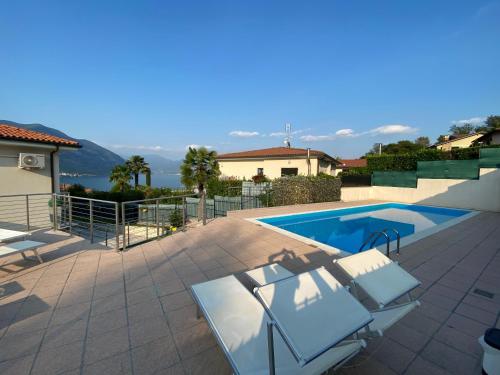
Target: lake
<point x="102" y="182"/>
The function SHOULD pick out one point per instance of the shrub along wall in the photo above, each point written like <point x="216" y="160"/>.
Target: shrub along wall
<point x="302" y="189"/>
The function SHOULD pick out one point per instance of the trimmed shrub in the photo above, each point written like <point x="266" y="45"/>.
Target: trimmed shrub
<point x="175" y="218"/>
<point x="303" y="189"/>
<point x="229" y="187"/>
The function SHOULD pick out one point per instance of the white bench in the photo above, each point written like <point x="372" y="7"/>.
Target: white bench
<point x="21" y="247"/>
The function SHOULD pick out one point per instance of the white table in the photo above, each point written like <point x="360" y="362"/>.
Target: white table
<point x="11" y="235"/>
<point x="313" y="311"/>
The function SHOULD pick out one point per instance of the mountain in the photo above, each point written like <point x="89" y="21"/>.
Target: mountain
<point x="90" y="159"/>
<point x="160" y="164"/>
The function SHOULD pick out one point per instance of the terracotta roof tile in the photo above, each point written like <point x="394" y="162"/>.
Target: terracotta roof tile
<point x="353" y="163"/>
<point x="24" y="135"/>
<point x="273" y="152"/>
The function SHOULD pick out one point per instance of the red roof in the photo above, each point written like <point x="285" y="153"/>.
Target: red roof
<point x="19" y="134"/>
<point x="353" y="163"/>
<point x="274" y="152"/>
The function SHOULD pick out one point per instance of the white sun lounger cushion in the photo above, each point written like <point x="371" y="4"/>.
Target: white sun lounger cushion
<point x="239" y="323"/>
<point x="382" y="279"/>
<point x="314" y="310"/>
<point x="268" y="274"/>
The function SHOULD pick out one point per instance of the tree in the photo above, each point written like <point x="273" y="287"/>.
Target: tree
<point x="199" y="165"/>
<point x="464" y="129"/>
<point x="423" y="141"/>
<point x="493" y="122"/>
<point x="120" y="175"/>
<point x="137" y="165"/>
<point x="441" y="138"/>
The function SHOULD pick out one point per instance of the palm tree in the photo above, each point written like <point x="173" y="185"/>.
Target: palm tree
<point x="198" y="166"/>
<point x="120" y="175"/>
<point x="137" y="165"/>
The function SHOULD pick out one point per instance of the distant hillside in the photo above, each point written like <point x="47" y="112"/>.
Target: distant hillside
<point x="159" y="164"/>
<point x="90" y="159"/>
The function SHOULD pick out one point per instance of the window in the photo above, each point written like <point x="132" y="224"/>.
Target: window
<point x="289" y="171"/>
<point x="260" y="171"/>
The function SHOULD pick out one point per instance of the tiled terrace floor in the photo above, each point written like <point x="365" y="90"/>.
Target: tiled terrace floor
<point x="95" y="311"/>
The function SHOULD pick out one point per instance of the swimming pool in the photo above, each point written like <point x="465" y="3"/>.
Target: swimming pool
<point x="346" y="229"/>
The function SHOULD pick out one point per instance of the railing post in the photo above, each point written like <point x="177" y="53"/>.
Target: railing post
<point x="54" y="210"/>
<point x="70" y="214"/>
<point x="123" y="225"/>
<point x="204" y="198"/>
<point x="27" y="213"/>
<point x="157" y="218"/>
<point x="91" y="213"/>
<point x="117" y="226"/>
<point x="184" y="208"/>
<point x="270" y="348"/>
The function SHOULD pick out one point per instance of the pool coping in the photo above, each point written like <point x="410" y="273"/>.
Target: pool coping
<point x="405" y="241"/>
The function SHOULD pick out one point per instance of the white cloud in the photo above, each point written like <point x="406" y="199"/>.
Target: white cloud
<point x="283" y="134"/>
<point x="345" y="133"/>
<point x="473" y="121"/>
<point x="139" y="147"/>
<point x="198" y="146"/>
<point x="243" y="134"/>
<point x="392" y="129"/>
<point x="317" y="138"/>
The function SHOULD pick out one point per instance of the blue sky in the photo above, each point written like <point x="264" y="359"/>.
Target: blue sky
<point x="156" y="76"/>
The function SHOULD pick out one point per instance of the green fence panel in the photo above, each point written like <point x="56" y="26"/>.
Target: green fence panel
<point x="489" y="158"/>
<point x="449" y="169"/>
<point x="395" y="178"/>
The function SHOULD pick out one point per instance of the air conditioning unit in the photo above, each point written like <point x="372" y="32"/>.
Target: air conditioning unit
<point x="31" y="161"/>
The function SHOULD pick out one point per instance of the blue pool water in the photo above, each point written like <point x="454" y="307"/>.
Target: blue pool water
<point x="348" y="228"/>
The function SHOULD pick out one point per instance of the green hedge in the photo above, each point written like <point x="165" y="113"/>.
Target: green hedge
<point x="302" y="189"/>
<point x="229" y="187"/>
<point x="408" y="162"/>
<point x="395" y="178"/>
<point x="489" y="158"/>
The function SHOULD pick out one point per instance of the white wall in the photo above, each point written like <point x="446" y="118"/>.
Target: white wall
<point x="14" y="180"/>
<point x="482" y="194"/>
<point x="246" y="169"/>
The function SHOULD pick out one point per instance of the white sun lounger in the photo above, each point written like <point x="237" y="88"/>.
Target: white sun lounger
<point x="21" y="247"/>
<point x="268" y="274"/>
<point x="382" y="280"/>
<point x="252" y="341"/>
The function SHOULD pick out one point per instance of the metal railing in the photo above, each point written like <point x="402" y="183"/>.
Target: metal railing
<point x="26" y="212"/>
<point x="94" y="219"/>
<point x="374" y="236"/>
<point x="147" y="219"/>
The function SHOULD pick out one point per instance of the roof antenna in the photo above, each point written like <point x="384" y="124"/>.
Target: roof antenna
<point x="288" y="134"/>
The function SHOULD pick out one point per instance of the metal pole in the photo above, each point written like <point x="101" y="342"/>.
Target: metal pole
<point x="91" y="224"/>
<point x="157" y="218"/>
<point x="27" y="213"/>
<point x="204" y="198"/>
<point x="270" y="348"/>
<point x="70" y="214"/>
<point x="183" y="213"/>
<point x="54" y="210"/>
<point x="123" y="225"/>
<point x="117" y="226"/>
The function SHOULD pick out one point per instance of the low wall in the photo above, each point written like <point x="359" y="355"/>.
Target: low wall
<point x="482" y="194"/>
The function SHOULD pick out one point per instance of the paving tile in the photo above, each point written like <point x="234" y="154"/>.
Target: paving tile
<point x="176" y="301"/>
<point x="102" y="305"/>
<point x="19" y="366"/>
<point x="439" y="300"/>
<point x="109" y="289"/>
<point x="70" y="313"/>
<point x="183" y="318"/>
<point x="482" y="303"/>
<point x="477" y="314"/>
<point x="165" y="288"/>
<point x="420" y="367"/>
<point x="433" y="312"/>
<point x="449" y="358"/>
<point x="408" y="337"/>
<point x="29" y="324"/>
<point x="148" y="330"/>
<point x="211" y="361"/>
<point x="119" y="364"/>
<point x="50" y="361"/>
<point x="75" y="296"/>
<point x="420" y="323"/>
<point x="143" y="295"/>
<point x="394" y="355"/>
<point x="142" y="312"/>
<point x="176" y="369"/>
<point x="194" y="340"/>
<point x="20" y="345"/>
<point x="458" y="340"/>
<point x="106" y="345"/>
<point x="108" y="321"/>
<point x="63" y="334"/>
<point x="466" y="325"/>
<point x="155" y="356"/>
